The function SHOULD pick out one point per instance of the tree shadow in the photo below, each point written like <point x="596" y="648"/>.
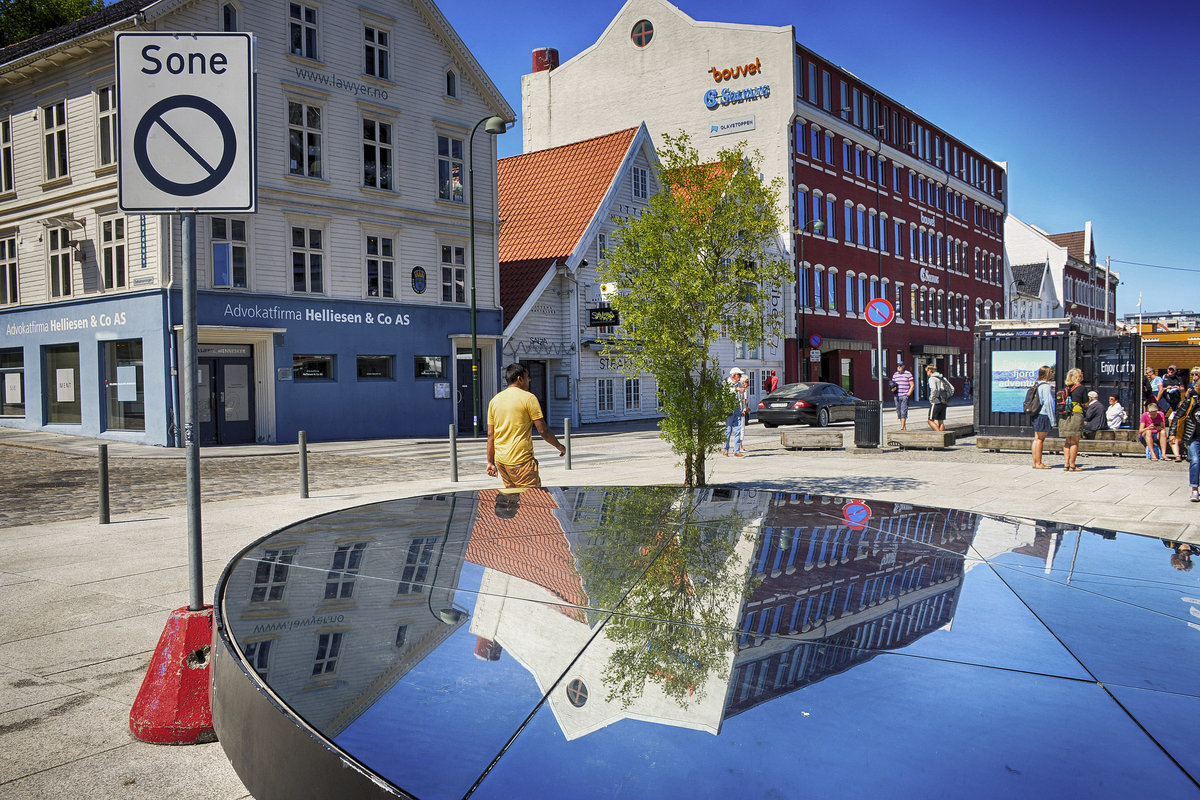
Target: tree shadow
<point x="835" y="485"/>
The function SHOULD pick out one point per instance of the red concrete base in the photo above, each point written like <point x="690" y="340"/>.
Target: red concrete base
<point x="173" y="706"/>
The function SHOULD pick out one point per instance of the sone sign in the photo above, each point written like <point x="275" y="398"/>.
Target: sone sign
<point x="187" y="122"/>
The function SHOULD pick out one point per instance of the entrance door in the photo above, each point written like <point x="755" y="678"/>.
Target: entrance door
<point x="537" y="383"/>
<point x="225" y="402"/>
<point x="464" y="408"/>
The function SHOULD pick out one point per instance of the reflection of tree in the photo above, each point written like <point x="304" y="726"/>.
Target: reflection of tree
<point x="678" y="549"/>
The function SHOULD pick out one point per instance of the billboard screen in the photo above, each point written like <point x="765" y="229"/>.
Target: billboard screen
<point x="1013" y="372"/>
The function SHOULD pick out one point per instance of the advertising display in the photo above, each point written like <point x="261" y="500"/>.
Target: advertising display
<point x="1013" y="372"/>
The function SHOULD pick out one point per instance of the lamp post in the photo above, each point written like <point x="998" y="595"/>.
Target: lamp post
<point x="801" y="314"/>
<point x="495" y="125"/>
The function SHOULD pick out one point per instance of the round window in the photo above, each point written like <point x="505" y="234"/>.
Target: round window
<point x="577" y="693"/>
<point x="643" y="32"/>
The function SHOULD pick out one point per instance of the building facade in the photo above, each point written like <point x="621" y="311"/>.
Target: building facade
<point x="341" y="307"/>
<point x="881" y="202"/>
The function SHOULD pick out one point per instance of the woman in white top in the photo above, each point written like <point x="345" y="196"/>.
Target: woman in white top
<point x="1115" y="413"/>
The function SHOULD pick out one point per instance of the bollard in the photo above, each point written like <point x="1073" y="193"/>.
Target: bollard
<point x="567" y="438"/>
<point x="453" y="453"/>
<point x="303" y="463"/>
<point x="103" y="453"/>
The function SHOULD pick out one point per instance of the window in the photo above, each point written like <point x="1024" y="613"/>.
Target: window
<point x="61" y="384"/>
<point x="812" y="83"/>
<point x="643" y="33"/>
<point x="641" y="183"/>
<point x="59" y="252"/>
<point x="454" y="274"/>
<point x="830" y="219"/>
<point x="112" y="252"/>
<point x="329" y="647"/>
<point x="633" y="393"/>
<point x="259" y="655"/>
<point x="229" y="252"/>
<point x="312" y="367"/>
<point x="602" y="246"/>
<point x="429" y="367"/>
<point x="450" y="169"/>
<point x="829" y="148"/>
<point x="302" y="30"/>
<point x="604" y="394"/>
<point x="271" y="574"/>
<point x="848" y="231"/>
<point x="339" y="581"/>
<point x="451" y="83"/>
<point x="8" y="271"/>
<point x="377" y="154"/>
<point x="12" y="382"/>
<point x="376" y="367"/>
<point x="381" y="267"/>
<point x="860" y="226"/>
<point x="229" y="17"/>
<point x="124" y="398"/>
<point x="850" y="293"/>
<point x="6" y="156"/>
<point x="801" y="208"/>
<point x="376" y="53"/>
<point x="832" y="291"/>
<point x="106" y="126"/>
<point x="801" y="137"/>
<point x="54" y="140"/>
<point x="899" y="303"/>
<point x="818" y="284"/>
<point x="805" y="281"/>
<point x="307" y="260"/>
<point x="304" y="140"/>
<point x="416" y="565"/>
<point x="401" y="635"/>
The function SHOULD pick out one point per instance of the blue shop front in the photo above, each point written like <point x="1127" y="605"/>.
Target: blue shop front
<point x="268" y="368"/>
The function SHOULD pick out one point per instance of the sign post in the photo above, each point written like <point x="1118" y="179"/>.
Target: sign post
<point x="187" y="146"/>
<point x="880" y="313"/>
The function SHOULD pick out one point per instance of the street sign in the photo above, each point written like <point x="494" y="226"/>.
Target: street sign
<point x="814" y="355"/>
<point x="186" y="133"/>
<point x="814" y="341"/>
<point x="855" y="514"/>
<point x="879" y="312"/>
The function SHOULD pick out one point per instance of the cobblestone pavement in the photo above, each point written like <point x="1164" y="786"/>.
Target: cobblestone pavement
<point x="46" y="486"/>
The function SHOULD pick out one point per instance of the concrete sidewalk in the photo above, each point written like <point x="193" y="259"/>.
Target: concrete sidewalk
<point x="82" y="605"/>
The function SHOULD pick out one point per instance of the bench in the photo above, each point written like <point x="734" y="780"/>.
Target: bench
<point x="806" y="440"/>
<point x="925" y="440"/>
<point x="1113" y="446"/>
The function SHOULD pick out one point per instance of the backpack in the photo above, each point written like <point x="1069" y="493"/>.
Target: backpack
<point x="944" y="392"/>
<point x="1062" y="401"/>
<point x="1033" y="403"/>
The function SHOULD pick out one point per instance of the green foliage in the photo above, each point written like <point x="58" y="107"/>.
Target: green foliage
<point x="24" y="19"/>
<point x="694" y="267"/>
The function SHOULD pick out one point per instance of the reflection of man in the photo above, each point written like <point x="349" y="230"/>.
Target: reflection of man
<point x="510" y="442"/>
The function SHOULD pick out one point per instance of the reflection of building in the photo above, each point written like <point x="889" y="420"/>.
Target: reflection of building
<point x="832" y="597"/>
<point x="316" y="611"/>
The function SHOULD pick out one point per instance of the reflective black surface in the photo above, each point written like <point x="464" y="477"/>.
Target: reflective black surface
<point x="807" y="404"/>
<point x="659" y="642"/>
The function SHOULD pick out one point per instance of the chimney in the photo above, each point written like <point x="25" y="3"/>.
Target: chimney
<point x="545" y="59"/>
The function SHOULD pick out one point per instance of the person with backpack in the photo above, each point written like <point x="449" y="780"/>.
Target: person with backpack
<point x="1042" y="413"/>
<point x="940" y="392"/>
<point x="1070" y="423"/>
<point x="1189" y="436"/>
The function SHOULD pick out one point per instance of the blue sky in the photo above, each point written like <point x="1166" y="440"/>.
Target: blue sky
<point x="1093" y="105"/>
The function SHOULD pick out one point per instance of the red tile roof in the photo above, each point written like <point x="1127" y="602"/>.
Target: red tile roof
<point x="547" y="199"/>
<point x="1074" y="242"/>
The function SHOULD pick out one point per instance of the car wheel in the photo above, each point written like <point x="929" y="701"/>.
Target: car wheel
<point x="823" y="418"/>
<point x="770" y="424"/>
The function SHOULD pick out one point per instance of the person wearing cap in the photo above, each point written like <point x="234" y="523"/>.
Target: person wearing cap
<point x="772" y="383"/>
<point x="1093" y="416"/>
<point x="735" y="424"/>
<point x="903" y="384"/>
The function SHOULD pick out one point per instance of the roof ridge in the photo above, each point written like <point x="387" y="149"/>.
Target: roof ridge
<point x="632" y="130"/>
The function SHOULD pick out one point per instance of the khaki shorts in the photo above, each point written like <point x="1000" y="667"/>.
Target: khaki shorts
<point x="520" y="476"/>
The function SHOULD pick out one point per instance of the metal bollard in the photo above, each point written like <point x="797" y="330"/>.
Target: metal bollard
<point x="453" y="453"/>
<point x="303" y="463"/>
<point x="103" y="454"/>
<point x="567" y="438"/>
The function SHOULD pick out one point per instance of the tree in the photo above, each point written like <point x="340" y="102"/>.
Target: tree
<point x="24" y="19"/>
<point x="693" y="267"/>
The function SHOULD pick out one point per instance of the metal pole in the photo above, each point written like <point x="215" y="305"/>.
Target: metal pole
<point x="102" y="452"/>
<point x="453" y="453"/>
<point x="879" y="375"/>
<point x="303" y="463"/>
<point x="801" y="350"/>
<point x="474" y="332"/>
<point x="190" y="397"/>
<point x="567" y="438"/>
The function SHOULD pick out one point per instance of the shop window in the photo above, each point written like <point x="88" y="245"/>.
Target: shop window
<point x="450" y="169"/>
<point x="12" y="382"/>
<point x="302" y="30"/>
<point x="454" y="274"/>
<point x="377" y="154"/>
<point x="304" y="140"/>
<point x="8" y="271"/>
<point x="106" y="126"/>
<point x="54" y="140"/>
<point x="376" y="52"/>
<point x="372" y="368"/>
<point x="229" y="252"/>
<point x="381" y="266"/>
<point x="112" y="252"/>
<point x="61" y="385"/>
<point x="642" y="33"/>
<point x="313" y="367"/>
<point x="429" y="367"/>
<point x="124" y="389"/>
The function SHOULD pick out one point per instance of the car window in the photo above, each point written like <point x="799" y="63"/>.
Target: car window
<point x="791" y="390"/>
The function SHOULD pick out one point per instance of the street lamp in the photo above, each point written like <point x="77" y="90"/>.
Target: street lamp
<point x="494" y="125"/>
<point x="801" y="314"/>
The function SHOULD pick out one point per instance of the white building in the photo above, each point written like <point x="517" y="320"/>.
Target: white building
<point x="343" y="301"/>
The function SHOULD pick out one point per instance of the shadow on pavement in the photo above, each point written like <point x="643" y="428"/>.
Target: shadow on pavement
<point x="837" y="486"/>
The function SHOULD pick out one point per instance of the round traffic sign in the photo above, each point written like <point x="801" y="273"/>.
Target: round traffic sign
<point x="879" y="312"/>
<point x="157" y="117"/>
<point x="814" y="341"/>
<point x="856" y="513"/>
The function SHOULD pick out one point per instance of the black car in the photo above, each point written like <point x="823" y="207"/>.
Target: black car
<point x="813" y="403"/>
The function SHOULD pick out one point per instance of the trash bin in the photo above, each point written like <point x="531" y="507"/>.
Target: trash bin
<point x="866" y="423"/>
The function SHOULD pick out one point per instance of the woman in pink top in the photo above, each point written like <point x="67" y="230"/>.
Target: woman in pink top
<point x="1153" y="432"/>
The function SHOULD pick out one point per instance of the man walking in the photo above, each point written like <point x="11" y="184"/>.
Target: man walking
<point x="940" y="392"/>
<point x="772" y="383"/>
<point x="511" y="414"/>
<point x="903" y="385"/>
<point x="735" y="425"/>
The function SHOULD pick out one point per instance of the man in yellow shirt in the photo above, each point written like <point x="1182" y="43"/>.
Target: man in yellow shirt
<point x="511" y="414"/>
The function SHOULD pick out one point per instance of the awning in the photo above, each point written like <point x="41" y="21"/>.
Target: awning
<point x="844" y="344"/>
<point x="934" y="350"/>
